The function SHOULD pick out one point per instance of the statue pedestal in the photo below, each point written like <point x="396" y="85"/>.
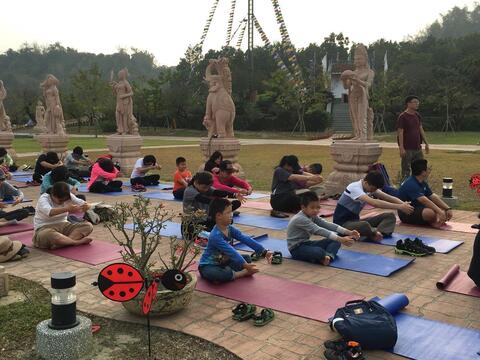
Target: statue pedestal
<point x="126" y="150"/>
<point x="229" y="147"/>
<point x="6" y="139"/>
<point x="352" y="160"/>
<point x="54" y="142"/>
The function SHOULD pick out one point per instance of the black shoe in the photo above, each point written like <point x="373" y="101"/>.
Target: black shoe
<point x="278" y="214"/>
<point x="475" y="226"/>
<point x="407" y="247"/>
<point x="23" y="252"/>
<point x="352" y="351"/>
<point x="429" y="249"/>
<point x="336" y="345"/>
<point x="30" y="209"/>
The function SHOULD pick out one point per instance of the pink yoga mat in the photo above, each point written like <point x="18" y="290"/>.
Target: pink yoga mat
<point x="458" y="282"/>
<point x="12" y="229"/>
<point x="262" y="205"/>
<point x="450" y="226"/>
<point x="291" y="297"/>
<point x="97" y="252"/>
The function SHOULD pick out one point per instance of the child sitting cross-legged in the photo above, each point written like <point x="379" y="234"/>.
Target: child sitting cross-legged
<point x="220" y="262"/>
<point x="52" y="230"/>
<point x="181" y="178"/>
<point x="306" y="223"/>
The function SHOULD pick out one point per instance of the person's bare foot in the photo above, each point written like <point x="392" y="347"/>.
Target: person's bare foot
<point x="84" y="241"/>
<point x="377" y="237"/>
<point x="326" y="261"/>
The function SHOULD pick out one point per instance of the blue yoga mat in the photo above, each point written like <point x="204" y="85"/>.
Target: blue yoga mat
<point x="12" y="201"/>
<point x="161" y="186"/>
<point x="266" y="222"/>
<point x="22" y="173"/>
<point x="424" y="339"/>
<point x="442" y="246"/>
<point x="168" y="196"/>
<point x="346" y="259"/>
<point x="23" y="178"/>
<point x="254" y="196"/>
<point x="171" y="229"/>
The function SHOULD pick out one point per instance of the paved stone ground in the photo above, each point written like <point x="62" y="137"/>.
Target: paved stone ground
<point x="287" y="337"/>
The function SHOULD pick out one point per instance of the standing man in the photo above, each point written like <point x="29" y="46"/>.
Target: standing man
<point x="410" y="135"/>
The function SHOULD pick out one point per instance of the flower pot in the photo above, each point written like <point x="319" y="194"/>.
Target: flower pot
<point x="166" y="302"/>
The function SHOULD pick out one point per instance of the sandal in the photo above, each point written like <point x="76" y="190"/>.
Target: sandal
<point x="255" y="256"/>
<point x="277" y="258"/>
<point x="278" y="214"/>
<point x="266" y="315"/>
<point x="243" y="312"/>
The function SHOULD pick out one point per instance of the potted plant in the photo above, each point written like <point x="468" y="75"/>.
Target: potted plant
<point x="148" y="223"/>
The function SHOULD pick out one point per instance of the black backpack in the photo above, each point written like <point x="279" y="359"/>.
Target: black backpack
<point x="366" y="322"/>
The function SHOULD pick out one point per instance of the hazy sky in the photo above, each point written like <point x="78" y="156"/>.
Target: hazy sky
<point x="166" y="28"/>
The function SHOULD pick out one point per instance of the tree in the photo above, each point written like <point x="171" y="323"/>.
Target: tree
<point x="92" y="95"/>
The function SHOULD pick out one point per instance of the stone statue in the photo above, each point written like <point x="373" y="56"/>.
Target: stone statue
<point x="54" y="121"/>
<point x="358" y="82"/>
<point x="5" y="124"/>
<point x="126" y="122"/>
<point x="220" y="111"/>
<point x="40" y="117"/>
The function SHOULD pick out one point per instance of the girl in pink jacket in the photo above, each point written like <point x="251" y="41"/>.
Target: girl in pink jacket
<point x="102" y="177"/>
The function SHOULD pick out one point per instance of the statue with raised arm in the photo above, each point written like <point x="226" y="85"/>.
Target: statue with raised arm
<point x="40" y="117"/>
<point x="126" y="122"/>
<point x="220" y="109"/>
<point x="358" y="83"/>
<point x="54" y="121"/>
<point x="5" y="124"/>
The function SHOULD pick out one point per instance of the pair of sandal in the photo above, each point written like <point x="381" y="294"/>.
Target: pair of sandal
<point x="243" y="312"/>
<point x="277" y="257"/>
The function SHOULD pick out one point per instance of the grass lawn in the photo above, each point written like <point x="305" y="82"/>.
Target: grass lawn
<point x="116" y="340"/>
<point x="23" y="145"/>
<point x="460" y="138"/>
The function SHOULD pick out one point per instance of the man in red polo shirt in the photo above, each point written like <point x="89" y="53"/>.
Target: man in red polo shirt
<point x="410" y="135"/>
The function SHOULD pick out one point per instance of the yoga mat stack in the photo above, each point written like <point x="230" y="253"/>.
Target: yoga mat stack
<point x="423" y="339"/>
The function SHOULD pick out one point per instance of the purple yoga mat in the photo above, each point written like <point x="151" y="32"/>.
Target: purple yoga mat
<point x="12" y="229"/>
<point x="291" y="297"/>
<point x="458" y="282"/>
<point x="97" y="252"/>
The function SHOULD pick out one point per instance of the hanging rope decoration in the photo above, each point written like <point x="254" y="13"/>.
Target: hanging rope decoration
<point x="230" y="23"/>
<point x="280" y="63"/>
<point x="242" y="34"/>
<point x="289" y="49"/>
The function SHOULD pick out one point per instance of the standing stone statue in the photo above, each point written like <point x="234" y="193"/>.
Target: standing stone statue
<point x="54" y="121"/>
<point x="220" y="110"/>
<point x="126" y="122"/>
<point x="5" y="124"/>
<point x="358" y="82"/>
<point x="40" y="117"/>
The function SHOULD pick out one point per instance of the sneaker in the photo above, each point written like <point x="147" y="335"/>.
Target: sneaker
<point x="138" y="188"/>
<point x="351" y="351"/>
<point x="407" y="247"/>
<point x="337" y="345"/>
<point x="429" y="249"/>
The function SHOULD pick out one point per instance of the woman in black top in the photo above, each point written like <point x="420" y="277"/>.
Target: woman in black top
<point x="474" y="270"/>
<point x="284" y="183"/>
<point x="214" y="162"/>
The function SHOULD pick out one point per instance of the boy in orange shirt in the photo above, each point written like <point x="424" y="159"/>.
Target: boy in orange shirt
<point x="181" y="178"/>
